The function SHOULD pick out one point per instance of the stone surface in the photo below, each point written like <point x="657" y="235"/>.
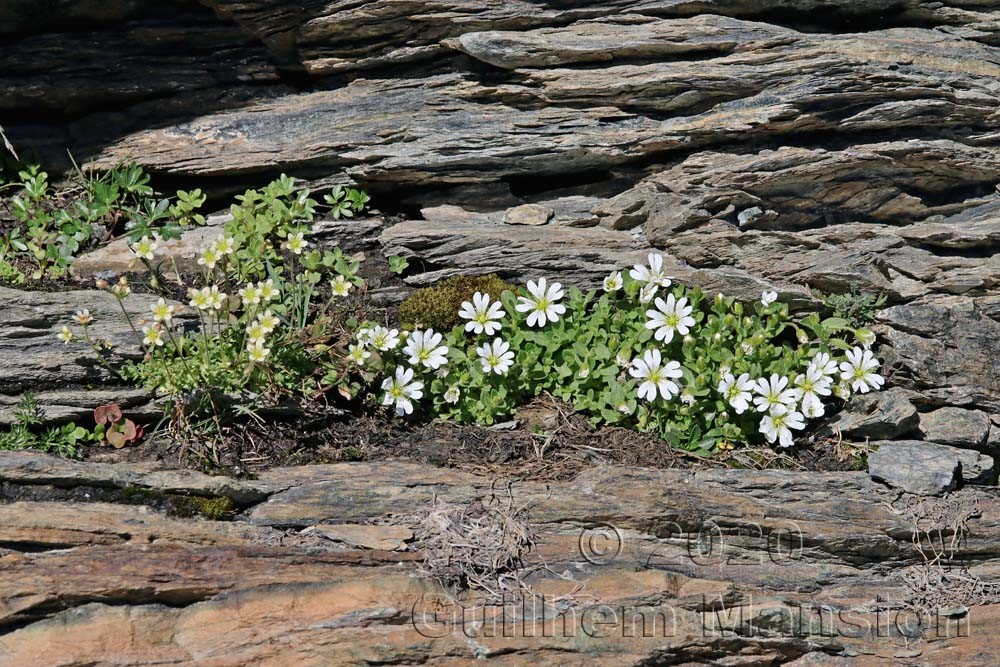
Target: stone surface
<point x="386" y="538"/>
<point x="172" y="257"/>
<point x="879" y="415"/>
<point x="527" y="214"/>
<point x="926" y="468"/>
<point x="956" y="427"/>
<point x="734" y="561"/>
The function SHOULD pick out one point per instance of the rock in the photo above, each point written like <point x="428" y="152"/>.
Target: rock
<point x="80" y="580"/>
<point x="33" y="359"/>
<point x="386" y="538"/>
<point x="34" y="468"/>
<point x="879" y="415"/>
<point x="177" y="255"/>
<point x="528" y="214"/>
<point x="928" y="469"/>
<point x="957" y="427"/>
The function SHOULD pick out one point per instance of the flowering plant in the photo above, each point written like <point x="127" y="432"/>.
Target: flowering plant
<point x="701" y="372"/>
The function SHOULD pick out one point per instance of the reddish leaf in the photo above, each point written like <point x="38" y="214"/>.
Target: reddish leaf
<point x="128" y="428"/>
<point x="116" y="438"/>
<point x="107" y="414"/>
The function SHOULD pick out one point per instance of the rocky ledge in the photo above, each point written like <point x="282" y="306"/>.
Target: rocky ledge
<point x="327" y="564"/>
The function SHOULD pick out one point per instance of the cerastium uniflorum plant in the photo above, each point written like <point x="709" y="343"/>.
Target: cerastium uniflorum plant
<point x="272" y="320"/>
<point x="703" y="372"/>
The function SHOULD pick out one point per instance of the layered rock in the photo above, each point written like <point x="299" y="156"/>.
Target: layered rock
<point x="743" y="567"/>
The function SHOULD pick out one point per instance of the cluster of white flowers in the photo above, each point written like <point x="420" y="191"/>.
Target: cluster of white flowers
<point x="207" y="298"/>
<point x="783" y="402"/>
<point x="215" y="253"/>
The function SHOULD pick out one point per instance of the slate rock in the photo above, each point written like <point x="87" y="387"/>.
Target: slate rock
<point x="928" y="469"/>
<point x="957" y="427"/>
<point x="880" y="415"/>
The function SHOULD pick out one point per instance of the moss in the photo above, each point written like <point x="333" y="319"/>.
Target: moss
<point x="437" y="306"/>
<point x="212" y="508"/>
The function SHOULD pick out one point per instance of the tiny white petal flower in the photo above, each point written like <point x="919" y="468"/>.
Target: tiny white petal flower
<point x="452" y="395"/>
<point x="384" y="339"/>
<point x="402" y="390"/>
<point x="218" y="298"/>
<point x="775" y="392"/>
<point x="295" y="243"/>
<point x="200" y="298"/>
<point x="83" y="317"/>
<point x="224" y="246"/>
<point x="65" y="335"/>
<point x="859" y="370"/>
<point x="268" y="321"/>
<point x="340" y="285"/>
<point x="483" y="315"/>
<point x="543" y="305"/>
<point x="496" y="357"/>
<point x="824" y="364"/>
<point x="162" y="311"/>
<point x="258" y="353"/>
<point x="153" y="336"/>
<point x="812" y="384"/>
<point x="670" y="316"/>
<point x="268" y="292"/>
<point x="145" y="248"/>
<point x="256" y="333"/>
<point x="209" y="258"/>
<point x="647" y="293"/>
<point x="424" y="347"/>
<point x="767" y="298"/>
<point x="613" y="282"/>
<point x="776" y="425"/>
<point x="250" y="295"/>
<point x="358" y="354"/>
<point x="656" y="376"/>
<point x="737" y="391"/>
<point x="652" y="274"/>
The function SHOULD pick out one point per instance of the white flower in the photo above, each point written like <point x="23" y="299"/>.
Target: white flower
<point x="496" y="357"/>
<point x="65" y="335"/>
<point x="384" y="339"/>
<point x="774" y="393"/>
<point x="776" y="425"/>
<point x="162" y="311"/>
<point x="655" y="376"/>
<point x="859" y="370"/>
<point x="866" y="337"/>
<point x="442" y="372"/>
<point x="268" y="292"/>
<point x="767" y="298"/>
<point x="340" y="286"/>
<point x="543" y="304"/>
<point x="824" y="364"/>
<point x="250" y="295"/>
<point x="357" y="354"/>
<point x="647" y="293"/>
<point x="737" y="391"/>
<point x="365" y="336"/>
<point x="200" y="298"/>
<point x="218" y="298"/>
<point x="224" y="246"/>
<point x="256" y="334"/>
<point x="209" y="258"/>
<point x="402" y="390"/>
<point x="452" y="395"/>
<point x="268" y="321"/>
<point x="813" y="384"/>
<point x="258" y="353"/>
<point x="295" y="243"/>
<point x="83" y="317"/>
<point x="652" y="274"/>
<point x="153" y="336"/>
<point x="424" y="347"/>
<point x="672" y="315"/>
<point x="482" y="314"/>
<point x="145" y="248"/>
<point x="687" y="398"/>
<point x="613" y="282"/>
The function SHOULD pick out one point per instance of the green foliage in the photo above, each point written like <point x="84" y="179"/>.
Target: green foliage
<point x="345" y="202"/>
<point x="398" y="264"/>
<point x="64" y="440"/>
<point x="856" y="307"/>
<point x="585" y="357"/>
<point x="436" y="307"/>
<point x="212" y="508"/>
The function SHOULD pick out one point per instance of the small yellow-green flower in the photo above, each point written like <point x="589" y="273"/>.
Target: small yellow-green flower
<point x="250" y="295"/>
<point x="256" y="334"/>
<point x="358" y="354"/>
<point x="258" y="353"/>
<point x="65" y="335"/>
<point x="218" y="298"/>
<point x="83" y="317"/>
<point x="295" y="243"/>
<point x="209" y="258"/>
<point x="162" y="311"/>
<point x="340" y="286"/>
<point x="145" y="248"/>
<point x="268" y="321"/>
<point x="268" y="292"/>
<point x="200" y="298"/>
<point x="153" y="336"/>
<point x="224" y="246"/>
